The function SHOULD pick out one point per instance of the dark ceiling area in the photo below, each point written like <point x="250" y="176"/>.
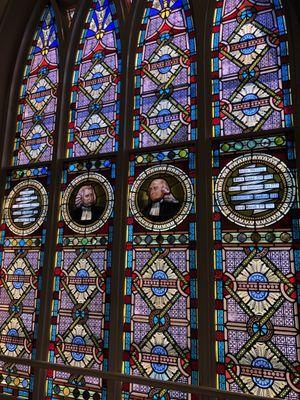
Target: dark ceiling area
<point x="67" y="3"/>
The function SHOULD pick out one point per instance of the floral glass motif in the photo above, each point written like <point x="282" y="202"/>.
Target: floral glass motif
<point x="22" y="240"/>
<point x="251" y="75"/>
<point x="95" y="98"/>
<point x="165" y="75"/>
<point x="38" y="102"/>
<point x="80" y="311"/>
<point x="160" y="330"/>
<point x="257" y="257"/>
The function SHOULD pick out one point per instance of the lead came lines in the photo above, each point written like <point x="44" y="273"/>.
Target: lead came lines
<point x="26" y="207"/>
<point x="256" y="190"/>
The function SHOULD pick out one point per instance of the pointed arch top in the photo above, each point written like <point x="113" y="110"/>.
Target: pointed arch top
<point x="165" y="75"/>
<point x="95" y="94"/>
<point x="251" y="76"/>
<point x="38" y="95"/>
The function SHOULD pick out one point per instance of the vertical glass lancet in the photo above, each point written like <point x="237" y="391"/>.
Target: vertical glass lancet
<point x="25" y="210"/>
<point x="165" y="75"/>
<point x="160" y="330"/>
<point x="256" y="232"/>
<point x="38" y="97"/>
<point x="251" y="76"/>
<point x="95" y="99"/>
<point x="81" y="298"/>
<point x="22" y="252"/>
<point x="79" y="334"/>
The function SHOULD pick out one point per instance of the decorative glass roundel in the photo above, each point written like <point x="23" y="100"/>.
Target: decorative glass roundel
<point x="255" y="190"/>
<point x="161" y="197"/>
<point x="87" y="203"/>
<point x="26" y="207"/>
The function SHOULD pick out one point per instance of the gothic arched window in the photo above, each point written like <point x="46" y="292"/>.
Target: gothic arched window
<point x="149" y="237"/>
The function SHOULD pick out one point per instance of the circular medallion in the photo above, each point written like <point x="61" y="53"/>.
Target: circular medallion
<point x="87" y="203"/>
<point x="159" y="353"/>
<point x="261" y="363"/>
<point x="26" y="207"/>
<point x="159" y="320"/>
<point x="161" y="197"/>
<point x="264" y="331"/>
<point x="255" y="190"/>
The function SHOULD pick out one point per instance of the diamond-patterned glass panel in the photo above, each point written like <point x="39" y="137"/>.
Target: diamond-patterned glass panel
<point x="251" y="78"/>
<point x="38" y="97"/>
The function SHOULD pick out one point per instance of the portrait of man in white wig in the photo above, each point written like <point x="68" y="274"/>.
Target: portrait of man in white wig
<point x="162" y="204"/>
<point x="86" y="210"/>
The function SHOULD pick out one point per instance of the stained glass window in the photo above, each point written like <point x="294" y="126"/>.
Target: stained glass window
<point x="256" y="260"/>
<point x="95" y="99"/>
<point x="256" y="229"/>
<point x="165" y="75"/>
<point x="25" y="210"/>
<point x="251" y="77"/>
<point x="22" y="240"/>
<point x="80" y="316"/>
<point x="38" y="96"/>
<point x="81" y="299"/>
<point x="160" y="332"/>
